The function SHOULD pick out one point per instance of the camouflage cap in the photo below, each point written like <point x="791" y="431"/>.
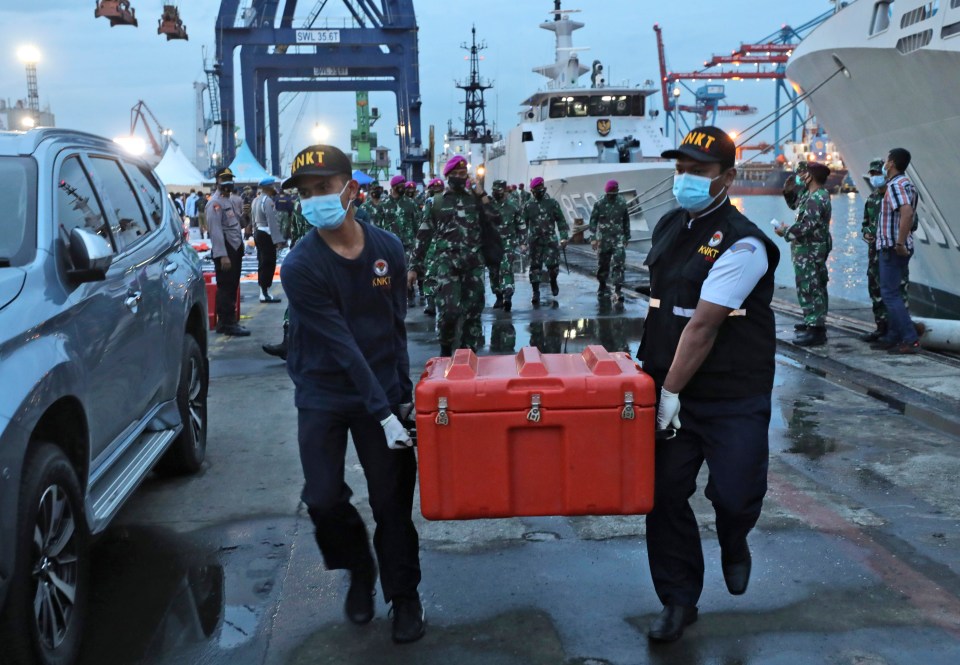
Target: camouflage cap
<point x="876" y="166"/>
<point x="499" y="184"/>
<point x="801" y="167"/>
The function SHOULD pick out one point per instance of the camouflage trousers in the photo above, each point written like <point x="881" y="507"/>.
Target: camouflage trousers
<point x="610" y="264"/>
<point x="459" y="295"/>
<point x="873" y="286"/>
<point x="429" y="277"/>
<point x="501" y="276"/>
<point x="810" y="270"/>
<point x="543" y="251"/>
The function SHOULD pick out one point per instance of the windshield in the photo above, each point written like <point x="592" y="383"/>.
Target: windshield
<point x="18" y="210"/>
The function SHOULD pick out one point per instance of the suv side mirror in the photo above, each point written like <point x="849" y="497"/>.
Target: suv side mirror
<point x="90" y="254"/>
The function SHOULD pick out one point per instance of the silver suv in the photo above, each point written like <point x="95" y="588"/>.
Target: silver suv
<point x="103" y="368"/>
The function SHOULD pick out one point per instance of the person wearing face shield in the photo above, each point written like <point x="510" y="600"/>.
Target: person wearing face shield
<point x="451" y="226"/>
<point x="868" y="231"/>
<point x="543" y="218"/>
<point x="225" y="223"/>
<point x="708" y="343"/>
<point x="345" y="283"/>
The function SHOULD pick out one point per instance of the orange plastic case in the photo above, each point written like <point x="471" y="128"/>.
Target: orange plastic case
<point x="535" y="434"/>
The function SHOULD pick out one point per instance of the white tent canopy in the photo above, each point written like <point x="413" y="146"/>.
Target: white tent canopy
<point x="177" y="172"/>
<point x="246" y="168"/>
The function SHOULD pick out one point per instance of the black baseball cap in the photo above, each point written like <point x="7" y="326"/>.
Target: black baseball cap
<point x="318" y="160"/>
<point x="705" y="144"/>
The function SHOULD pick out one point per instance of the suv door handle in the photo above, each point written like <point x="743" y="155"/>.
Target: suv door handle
<point x="133" y="300"/>
<point x="169" y="267"/>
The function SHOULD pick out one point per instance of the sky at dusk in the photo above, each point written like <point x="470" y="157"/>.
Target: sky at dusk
<point x="91" y="74"/>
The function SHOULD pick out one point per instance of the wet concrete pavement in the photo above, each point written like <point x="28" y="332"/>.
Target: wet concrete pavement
<point x="856" y="556"/>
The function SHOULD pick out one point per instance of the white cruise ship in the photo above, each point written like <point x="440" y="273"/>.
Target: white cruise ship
<point x="577" y="138"/>
<point x="900" y="88"/>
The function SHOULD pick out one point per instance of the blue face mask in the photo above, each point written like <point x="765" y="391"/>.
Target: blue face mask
<point x="693" y="191"/>
<point x="799" y="181"/>
<point x="885" y="174"/>
<point x="324" y="212"/>
<point x="877" y="180"/>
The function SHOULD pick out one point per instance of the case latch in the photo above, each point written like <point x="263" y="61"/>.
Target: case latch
<point x="628" y="412"/>
<point x="442" y="417"/>
<point x="534" y="414"/>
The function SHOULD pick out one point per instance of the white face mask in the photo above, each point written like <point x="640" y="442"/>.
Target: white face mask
<point x="693" y="191"/>
<point x="877" y="181"/>
<point x="325" y="212"/>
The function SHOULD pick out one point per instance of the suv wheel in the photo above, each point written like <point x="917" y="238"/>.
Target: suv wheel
<point x="47" y="601"/>
<point x="188" y="451"/>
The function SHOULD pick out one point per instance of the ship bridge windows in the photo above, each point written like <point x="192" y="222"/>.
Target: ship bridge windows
<point x="581" y="106"/>
<point x="921" y="13"/>
<point x="882" y="12"/>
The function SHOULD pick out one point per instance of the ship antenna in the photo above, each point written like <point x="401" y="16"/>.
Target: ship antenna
<point x="556" y="7"/>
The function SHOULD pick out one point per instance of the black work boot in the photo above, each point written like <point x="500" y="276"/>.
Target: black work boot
<point x="430" y="309"/>
<point x="408" y="620"/>
<point x="800" y="327"/>
<point x="812" y="336"/>
<point x="278" y="350"/>
<point x="536" y="294"/>
<point x="359" y="604"/>
<point x="602" y="289"/>
<point x="498" y="303"/>
<point x="554" y="287"/>
<point x="507" y="302"/>
<point x="874" y="335"/>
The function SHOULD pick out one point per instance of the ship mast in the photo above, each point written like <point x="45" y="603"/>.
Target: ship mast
<point x="565" y="71"/>
<point x="475" y="114"/>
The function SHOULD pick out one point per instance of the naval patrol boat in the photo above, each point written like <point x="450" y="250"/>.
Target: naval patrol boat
<point x="892" y="67"/>
<point x="577" y="138"/>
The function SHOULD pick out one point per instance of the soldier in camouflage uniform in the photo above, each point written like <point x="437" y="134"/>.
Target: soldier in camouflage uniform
<point x="868" y="231"/>
<point x="810" y="244"/>
<point x="609" y="233"/>
<point x="793" y="188"/>
<point x="428" y="281"/>
<point x="543" y="218"/>
<point x="513" y="234"/>
<point x="372" y="205"/>
<point x="451" y="223"/>
<point x="400" y="216"/>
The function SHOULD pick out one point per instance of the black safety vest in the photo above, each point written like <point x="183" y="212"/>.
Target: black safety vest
<point x="741" y="363"/>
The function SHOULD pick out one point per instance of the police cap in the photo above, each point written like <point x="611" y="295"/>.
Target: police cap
<point x="705" y="144"/>
<point x="225" y="175"/>
<point x="318" y="160"/>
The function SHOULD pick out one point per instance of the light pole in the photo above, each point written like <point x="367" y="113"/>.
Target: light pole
<point x="676" y="117"/>
<point x="30" y="56"/>
<point x="320" y="133"/>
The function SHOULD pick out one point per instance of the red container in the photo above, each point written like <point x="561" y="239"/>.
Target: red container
<point x="535" y="434"/>
<point x="210" y="282"/>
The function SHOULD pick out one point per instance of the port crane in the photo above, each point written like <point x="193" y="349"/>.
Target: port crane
<point x="141" y="114"/>
<point x="121" y="12"/>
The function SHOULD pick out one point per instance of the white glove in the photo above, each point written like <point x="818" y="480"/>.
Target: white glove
<point x="397" y="437"/>
<point x="668" y="415"/>
<point x="406" y="411"/>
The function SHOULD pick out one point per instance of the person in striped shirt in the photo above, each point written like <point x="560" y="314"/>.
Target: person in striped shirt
<point x="895" y="246"/>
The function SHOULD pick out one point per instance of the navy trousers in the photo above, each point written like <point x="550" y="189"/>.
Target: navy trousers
<point x="732" y="437"/>
<point x="391" y="476"/>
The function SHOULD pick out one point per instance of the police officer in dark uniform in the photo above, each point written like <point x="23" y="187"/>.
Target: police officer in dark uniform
<point x="709" y="344"/>
<point x="224" y="213"/>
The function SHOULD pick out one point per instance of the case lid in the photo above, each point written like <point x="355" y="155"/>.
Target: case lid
<point x="591" y="379"/>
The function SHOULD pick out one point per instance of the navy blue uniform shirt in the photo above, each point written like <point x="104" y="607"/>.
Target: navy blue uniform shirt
<point x="348" y="342"/>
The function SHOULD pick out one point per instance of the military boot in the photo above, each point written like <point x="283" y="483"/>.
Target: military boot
<point x="554" y="287"/>
<point x="874" y="335"/>
<point x="431" y="308"/>
<point x="498" y="303"/>
<point x="536" y="294"/>
<point x="278" y="350"/>
<point x="812" y="336"/>
<point x="507" y="301"/>
<point x="602" y="290"/>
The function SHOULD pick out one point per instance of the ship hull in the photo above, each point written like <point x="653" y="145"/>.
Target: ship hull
<point x="897" y="98"/>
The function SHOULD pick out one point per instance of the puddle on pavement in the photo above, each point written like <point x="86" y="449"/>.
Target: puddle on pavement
<point x="803" y="431"/>
<point x="160" y="596"/>
<point x="505" y="335"/>
<point x="524" y="637"/>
